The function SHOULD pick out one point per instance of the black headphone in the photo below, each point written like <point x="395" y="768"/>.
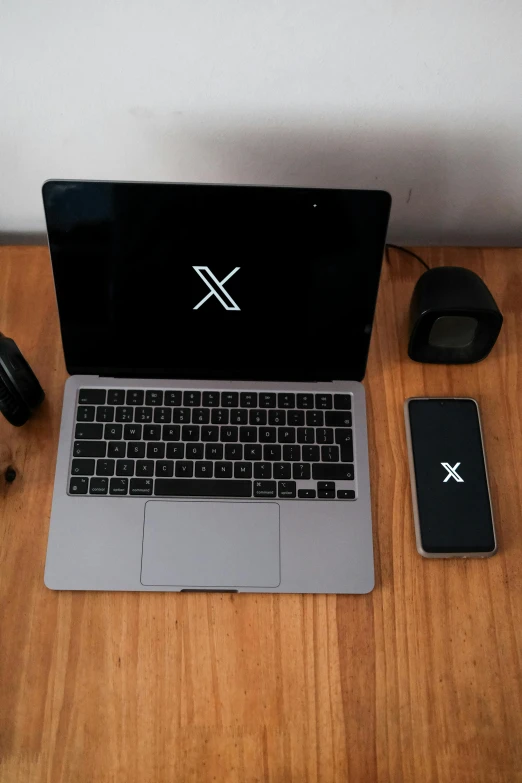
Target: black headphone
<point x="20" y="392"/>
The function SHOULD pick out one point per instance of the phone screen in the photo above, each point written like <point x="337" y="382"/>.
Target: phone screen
<point x="454" y="509"/>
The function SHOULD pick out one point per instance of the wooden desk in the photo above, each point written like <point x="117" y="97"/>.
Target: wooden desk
<point x="419" y="681"/>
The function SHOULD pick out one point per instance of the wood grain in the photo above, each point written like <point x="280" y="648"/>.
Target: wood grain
<point x="418" y="681"/>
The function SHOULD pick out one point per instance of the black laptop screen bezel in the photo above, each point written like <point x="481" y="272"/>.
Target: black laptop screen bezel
<point x="369" y="212"/>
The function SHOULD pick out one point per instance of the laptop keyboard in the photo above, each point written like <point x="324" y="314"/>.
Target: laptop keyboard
<point x="219" y="444"/>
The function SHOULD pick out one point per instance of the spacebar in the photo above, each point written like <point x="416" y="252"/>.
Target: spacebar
<point x="210" y="488"/>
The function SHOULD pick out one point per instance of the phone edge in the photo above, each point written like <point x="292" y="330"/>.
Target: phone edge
<point x="413" y="486"/>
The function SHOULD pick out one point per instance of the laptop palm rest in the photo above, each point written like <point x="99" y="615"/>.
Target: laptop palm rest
<point x="211" y="543"/>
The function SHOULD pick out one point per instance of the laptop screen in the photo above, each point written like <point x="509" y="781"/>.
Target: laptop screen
<point x="215" y="281"/>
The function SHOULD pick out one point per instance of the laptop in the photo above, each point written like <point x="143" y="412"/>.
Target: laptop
<point x="213" y="433"/>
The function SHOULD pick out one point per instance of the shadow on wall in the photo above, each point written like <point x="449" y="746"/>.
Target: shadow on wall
<point x="448" y="187"/>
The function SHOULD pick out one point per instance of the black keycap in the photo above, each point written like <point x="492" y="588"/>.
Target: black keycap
<point x="243" y="470"/>
<point x="248" y="399"/>
<point x="144" y="467"/>
<point x="330" y="453"/>
<point x="271" y="452"/>
<point x="286" y="400"/>
<point x="223" y="470"/>
<point x="162" y="415"/>
<point x="200" y="416"/>
<point x="263" y="470"/>
<point x="141" y="486"/>
<point x="305" y="400"/>
<point x="172" y="398"/>
<point x="118" y="486"/>
<point x="296" y="418"/>
<point x="277" y="417"/>
<point x="338" y="419"/>
<point x="78" y="485"/>
<point x="214" y="451"/>
<point x="301" y="471"/>
<point x="125" y="467"/>
<point x="154" y="397"/>
<point x="82" y="467"/>
<point x="346" y="494"/>
<point x="342" y="402"/>
<point x="258" y="416"/>
<point x="164" y="468"/>
<point x="305" y="435"/>
<point x="323" y="401"/>
<point x="229" y="399"/>
<point x="292" y="453"/>
<point x="265" y="489"/>
<point x="323" y="435"/>
<point x="105" y="467"/>
<point x="286" y="489"/>
<point x="347" y="453"/>
<point x="175" y="450"/>
<point x="194" y="451"/>
<point x="134" y="397"/>
<point x="132" y="431"/>
<point x="282" y="470"/>
<point x="267" y="434"/>
<point x="192" y="398"/>
<point x="99" y="486"/>
<point x="116" y="448"/>
<point x="91" y="397"/>
<point x="248" y="434"/>
<point x="203" y="469"/>
<point x="190" y="432"/>
<point x="105" y="413"/>
<point x="155" y="450"/>
<point x="311" y="453"/>
<point x="85" y="413"/>
<point x="306" y="493"/>
<point x="336" y="471"/>
<point x="210" y="434"/>
<point x="209" y="488"/>
<point x="143" y="415"/>
<point x="184" y="469"/>
<point x="314" y="418"/>
<point x="253" y="451"/>
<point x="238" y="416"/>
<point x="343" y="437"/>
<point x="326" y="485"/>
<point x="113" y="431"/>
<point x="211" y="399"/>
<point x="115" y="397"/>
<point x="229" y="434"/>
<point x="233" y="451"/>
<point x="267" y="400"/>
<point x="152" y="432"/>
<point x="86" y="448"/>
<point x="136" y="450"/>
<point x="124" y="414"/>
<point x="219" y="416"/>
<point x="171" y="433"/>
<point x="181" y="415"/>
<point x="286" y="434"/>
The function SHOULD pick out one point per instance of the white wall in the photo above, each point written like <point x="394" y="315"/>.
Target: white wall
<point x="420" y="97"/>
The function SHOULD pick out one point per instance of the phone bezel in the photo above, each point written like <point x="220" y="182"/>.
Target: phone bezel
<point x="413" y="484"/>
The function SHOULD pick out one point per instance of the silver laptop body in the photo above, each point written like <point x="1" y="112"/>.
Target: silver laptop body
<point x="171" y="481"/>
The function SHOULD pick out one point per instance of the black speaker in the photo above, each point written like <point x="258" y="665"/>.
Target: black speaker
<point x="453" y="317"/>
<point x="20" y="391"/>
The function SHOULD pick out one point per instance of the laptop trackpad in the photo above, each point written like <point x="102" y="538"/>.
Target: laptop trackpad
<point x="211" y="544"/>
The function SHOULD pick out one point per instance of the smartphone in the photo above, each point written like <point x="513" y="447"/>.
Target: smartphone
<point x="449" y="483"/>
